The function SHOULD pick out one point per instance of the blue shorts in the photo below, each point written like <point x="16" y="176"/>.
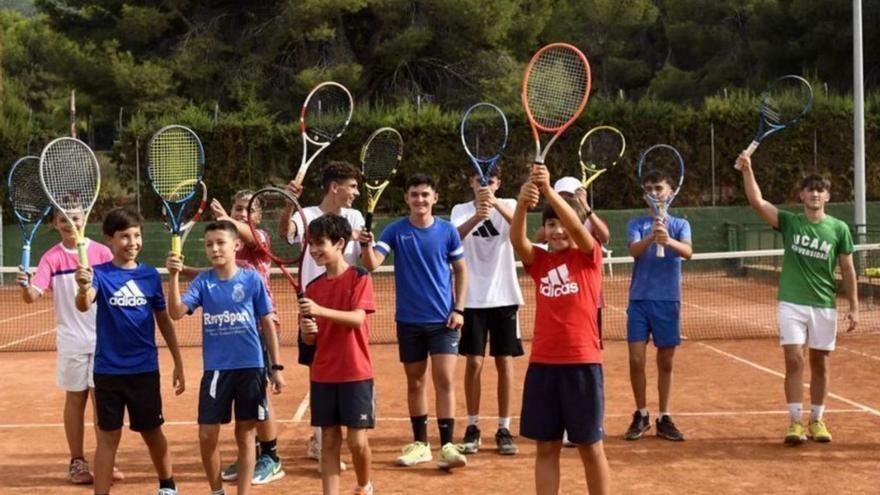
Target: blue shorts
<point x="563" y="397"/>
<point x="221" y="391"/>
<point x="349" y="404"/>
<point x="416" y="342"/>
<point x="662" y="319"/>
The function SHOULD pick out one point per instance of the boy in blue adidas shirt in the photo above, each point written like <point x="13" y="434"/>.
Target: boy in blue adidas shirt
<point x="130" y="304"/>
<point x="655" y="305"/>
<point x="429" y="313"/>
<point x="232" y="300"/>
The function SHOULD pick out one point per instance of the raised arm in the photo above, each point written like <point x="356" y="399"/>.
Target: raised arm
<point x="370" y="257"/>
<point x="765" y="209"/>
<point x="176" y="308"/>
<point x="244" y="230"/>
<point x="569" y="218"/>
<point x="528" y="198"/>
<point x="85" y="293"/>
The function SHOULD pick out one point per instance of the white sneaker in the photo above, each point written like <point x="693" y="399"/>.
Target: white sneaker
<point x="313" y="451"/>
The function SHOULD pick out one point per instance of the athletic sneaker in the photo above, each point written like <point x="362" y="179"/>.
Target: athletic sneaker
<point x="640" y="424"/>
<point x="313" y="451"/>
<point x="505" y="443"/>
<point x="818" y="432"/>
<point x="117" y="474"/>
<point x="415" y="453"/>
<point x="450" y="457"/>
<point x="667" y="429"/>
<point x="795" y="435"/>
<point x="231" y="472"/>
<point x="566" y="442"/>
<point x="167" y="491"/>
<point x="363" y="490"/>
<point x="267" y="470"/>
<point x="471" y="443"/>
<point x="78" y="472"/>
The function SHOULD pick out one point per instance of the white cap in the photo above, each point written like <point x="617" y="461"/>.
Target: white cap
<point x="567" y="184"/>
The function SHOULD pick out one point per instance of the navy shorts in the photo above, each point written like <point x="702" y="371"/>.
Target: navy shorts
<point x="660" y="319"/>
<point x="416" y="342"/>
<point x="139" y="393"/>
<point x="350" y="404"/>
<point x="498" y="326"/>
<point x="563" y="397"/>
<point x="241" y="389"/>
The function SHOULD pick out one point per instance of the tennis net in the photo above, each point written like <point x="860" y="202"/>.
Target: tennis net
<point x="729" y="295"/>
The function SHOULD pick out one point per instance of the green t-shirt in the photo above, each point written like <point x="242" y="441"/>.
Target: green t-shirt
<point x="811" y="251"/>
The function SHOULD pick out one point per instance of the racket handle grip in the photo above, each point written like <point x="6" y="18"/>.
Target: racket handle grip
<point x="368" y="221"/>
<point x="748" y="152"/>
<point x="25" y="263"/>
<point x="82" y="253"/>
<point x="176" y="245"/>
<point x="661" y="251"/>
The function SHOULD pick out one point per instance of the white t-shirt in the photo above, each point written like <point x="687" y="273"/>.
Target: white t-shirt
<point x="492" y="280"/>
<point x="352" y="253"/>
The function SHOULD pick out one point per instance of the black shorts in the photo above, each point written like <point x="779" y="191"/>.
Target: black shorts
<point x="497" y="325"/>
<point x="243" y="388"/>
<point x="416" y="342"/>
<point x="350" y="404"/>
<point x="139" y="393"/>
<point x="563" y="397"/>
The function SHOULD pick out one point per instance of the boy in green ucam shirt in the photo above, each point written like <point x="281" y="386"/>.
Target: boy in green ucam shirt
<point x="814" y="243"/>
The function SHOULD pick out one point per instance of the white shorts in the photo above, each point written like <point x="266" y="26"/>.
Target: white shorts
<point x="797" y="323"/>
<point x="73" y="372"/>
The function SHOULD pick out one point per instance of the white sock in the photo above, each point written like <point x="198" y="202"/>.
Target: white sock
<point x="474" y="420"/>
<point x="816" y="412"/>
<point x="221" y="491"/>
<point x="644" y="412"/>
<point x="365" y="487"/>
<point x="661" y="414"/>
<point x="504" y="423"/>
<point x="795" y="409"/>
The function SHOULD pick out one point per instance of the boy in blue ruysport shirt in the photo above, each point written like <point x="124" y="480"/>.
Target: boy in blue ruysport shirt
<point x="232" y="300"/>
<point x="130" y="304"/>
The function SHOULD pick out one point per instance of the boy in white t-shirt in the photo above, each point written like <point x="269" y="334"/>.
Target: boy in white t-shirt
<point x="75" y="334"/>
<point x="491" y="305"/>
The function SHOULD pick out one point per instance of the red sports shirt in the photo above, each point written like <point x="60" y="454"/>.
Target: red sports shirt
<point x="567" y="286"/>
<point x="342" y="353"/>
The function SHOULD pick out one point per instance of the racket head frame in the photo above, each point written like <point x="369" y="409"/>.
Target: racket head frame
<point x="303" y="128"/>
<point x="374" y="186"/>
<point x="263" y="242"/>
<point x="765" y="126"/>
<point x="661" y="208"/>
<point x="589" y="171"/>
<point x="484" y="166"/>
<point x="541" y="152"/>
<point x="40" y="212"/>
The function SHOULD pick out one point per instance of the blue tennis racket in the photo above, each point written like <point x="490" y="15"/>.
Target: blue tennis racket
<point x="484" y="133"/>
<point x="661" y="163"/>
<point x="30" y="205"/>
<point x="176" y="164"/>
<point x="783" y="104"/>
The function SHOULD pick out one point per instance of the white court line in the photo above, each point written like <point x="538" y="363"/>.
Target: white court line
<point x="24" y="426"/>
<point x="27" y="315"/>
<point x="301" y="409"/>
<point x="860" y="353"/>
<point x="19" y="341"/>
<point x="757" y="366"/>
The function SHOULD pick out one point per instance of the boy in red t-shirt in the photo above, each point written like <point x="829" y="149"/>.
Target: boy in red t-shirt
<point x="563" y="388"/>
<point x="341" y="392"/>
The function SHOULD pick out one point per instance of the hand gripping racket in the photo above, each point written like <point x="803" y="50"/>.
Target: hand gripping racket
<point x="662" y="162"/>
<point x="71" y="178"/>
<point x="193" y="211"/>
<point x="555" y="91"/>
<point x="783" y="104"/>
<point x="29" y="204"/>
<point x="176" y="162"/>
<point x="484" y="132"/>
<point x="380" y="156"/>
<point x="600" y="149"/>
<point x="323" y="118"/>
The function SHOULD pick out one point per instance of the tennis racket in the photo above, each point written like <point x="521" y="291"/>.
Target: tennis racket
<point x="380" y="157"/>
<point x="193" y="211"/>
<point x="71" y="178"/>
<point x="783" y="104"/>
<point x="323" y="118"/>
<point x="555" y="91"/>
<point x="666" y="161"/>
<point x="176" y="162"/>
<point x="29" y="204"/>
<point x="600" y="149"/>
<point x="484" y="132"/>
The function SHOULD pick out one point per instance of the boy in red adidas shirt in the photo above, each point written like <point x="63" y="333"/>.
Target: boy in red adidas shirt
<point x="341" y="391"/>
<point x="563" y="388"/>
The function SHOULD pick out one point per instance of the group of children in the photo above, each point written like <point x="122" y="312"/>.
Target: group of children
<point x="457" y="290"/>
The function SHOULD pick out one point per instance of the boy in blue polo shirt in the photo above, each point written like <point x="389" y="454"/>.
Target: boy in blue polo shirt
<point x="655" y="305"/>
<point x="428" y="317"/>
<point x="130" y="304"/>
<point x="232" y="299"/>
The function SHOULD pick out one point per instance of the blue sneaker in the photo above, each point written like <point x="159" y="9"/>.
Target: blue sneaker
<point x="267" y="470"/>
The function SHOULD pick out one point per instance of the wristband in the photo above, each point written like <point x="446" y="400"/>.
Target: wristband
<point x="589" y="213"/>
<point x="277" y="367"/>
<point x="459" y="311"/>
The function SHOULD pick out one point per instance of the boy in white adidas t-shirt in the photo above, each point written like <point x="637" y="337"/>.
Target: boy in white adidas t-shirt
<point x="75" y="333"/>
<point x="491" y="305"/>
<point x="340" y="183"/>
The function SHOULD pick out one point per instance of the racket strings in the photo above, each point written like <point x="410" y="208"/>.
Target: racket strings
<point x="786" y="101"/>
<point x="662" y="164"/>
<point x="70" y="174"/>
<point x="270" y="211"/>
<point x="557" y="86"/>
<point x="485" y="132"/>
<point x="28" y="198"/>
<point x="327" y="113"/>
<point x="381" y="157"/>
<point x="176" y="161"/>
<point x="601" y="149"/>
